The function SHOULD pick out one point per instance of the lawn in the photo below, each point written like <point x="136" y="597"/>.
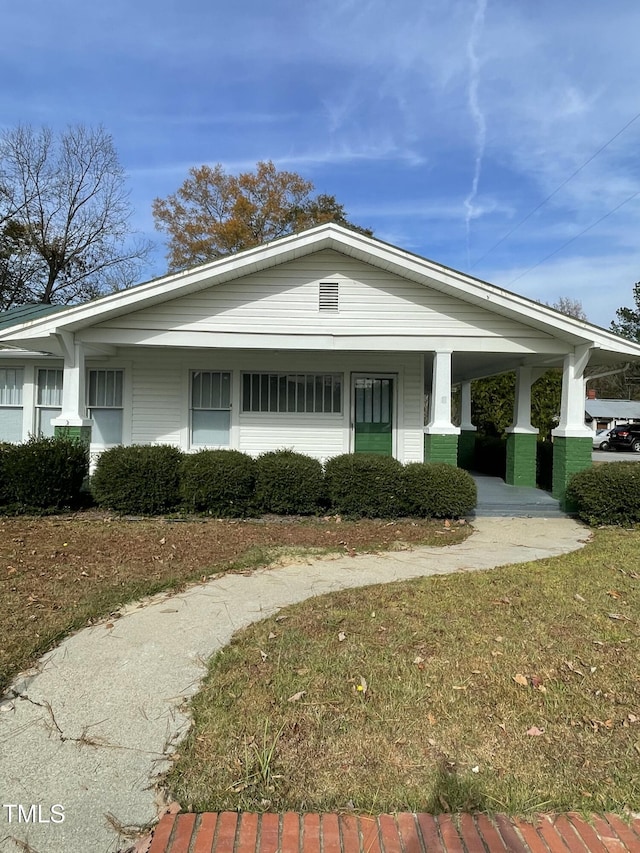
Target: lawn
<point x="515" y="689"/>
<point x="61" y="573"/>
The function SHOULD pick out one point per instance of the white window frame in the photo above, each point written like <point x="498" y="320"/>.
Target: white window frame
<point x="16" y="406"/>
<point x="191" y="408"/>
<point x="279" y="375"/>
<point x="123" y="407"/>
<point x="53" y="409"/>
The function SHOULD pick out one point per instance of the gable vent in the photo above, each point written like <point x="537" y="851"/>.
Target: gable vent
<point x="328" y="296"/>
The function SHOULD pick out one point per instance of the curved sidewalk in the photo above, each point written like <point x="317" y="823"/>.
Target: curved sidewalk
<point x="93" y="727"/>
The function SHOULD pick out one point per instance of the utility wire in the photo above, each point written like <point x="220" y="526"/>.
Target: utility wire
<point x="557" y="190"/>
<point x="584" y="231"/>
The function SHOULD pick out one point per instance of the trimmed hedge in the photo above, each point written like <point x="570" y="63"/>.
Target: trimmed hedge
<point x="218" y="482"/>
<point x="138" y="480"/>
<point x="43" y="473"/>
<point x="365" y="485"/>
<point x="437" y="490"/>
<point x="608" y="494"/>
<point x="288" y="483"/>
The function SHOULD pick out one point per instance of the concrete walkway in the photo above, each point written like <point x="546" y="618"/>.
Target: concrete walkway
<point x="91" y="729"/>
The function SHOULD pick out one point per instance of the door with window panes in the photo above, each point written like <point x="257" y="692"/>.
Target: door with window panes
<point x="373" y="414"/>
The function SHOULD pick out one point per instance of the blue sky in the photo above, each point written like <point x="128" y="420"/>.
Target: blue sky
<point x="441" y="124"/>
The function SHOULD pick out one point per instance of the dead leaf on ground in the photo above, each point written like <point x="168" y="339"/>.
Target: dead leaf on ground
<point x="534" y="731"/>
<point x="342" y="637"/>
<point x="296" y="696"/>
<point x="521" y="679"/>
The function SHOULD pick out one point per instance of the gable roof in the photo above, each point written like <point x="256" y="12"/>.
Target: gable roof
<point x="34" y="330"/>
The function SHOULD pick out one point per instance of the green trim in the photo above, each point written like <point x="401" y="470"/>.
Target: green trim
<point x="521" y="459"/>
<point x="373" y="438"/>
<point x="570" y="455"/>
<point x="441" y="448"/>
<point x="82" y="433"/>
<point x="467" y="449"/>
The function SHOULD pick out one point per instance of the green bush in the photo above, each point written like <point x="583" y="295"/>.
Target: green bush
<point x="491" y="456"/>
<point x="138" y="480"/>
<point x="219" y="482"/>
<point x="437" y="490"/>
<point x="43" y="473"/>
<point x="364" y="484"/>
<point x="608" y="494"/>
<point x="288" y="483"/>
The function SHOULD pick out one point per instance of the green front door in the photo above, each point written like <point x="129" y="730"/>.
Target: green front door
<point x="373" y="415"/>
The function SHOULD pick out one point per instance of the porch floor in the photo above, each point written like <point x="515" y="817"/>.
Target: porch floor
<point x="496" y="498"/>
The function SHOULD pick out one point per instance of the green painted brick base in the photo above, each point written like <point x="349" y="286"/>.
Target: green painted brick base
<point x="570" y="455"/>
<point x="83" y="433"/>
<point x="466" y="449"/>
<point x="521" y="459"/>
<point x="441" y="448"/>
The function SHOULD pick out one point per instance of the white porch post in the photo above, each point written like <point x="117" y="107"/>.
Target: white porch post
<point x="572" y="423"/>
<point x="465" y="408"/>
<point x="521" y="435"/>
<point x="441" y="436"/>
<point x="572" y="439"/>
<point x="467" y="438"/>
<point x="72" y="420"/>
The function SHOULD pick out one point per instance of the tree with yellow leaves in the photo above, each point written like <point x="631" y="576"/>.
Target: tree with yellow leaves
<point x="215" y="213"/>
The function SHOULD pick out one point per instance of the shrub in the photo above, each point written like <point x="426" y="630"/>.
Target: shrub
<point x="220" y="482"/>
<point x="364" y="484"/>
<point x="491" y="456"/>
<point x="608" y="494"/>
<point x="43" y="473"/>
<point x="437" y="490"/>
<point x="138" y="480"/>
<point x="288" y="483"/>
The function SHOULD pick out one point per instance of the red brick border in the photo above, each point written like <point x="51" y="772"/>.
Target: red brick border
<point x="229" y="832"/>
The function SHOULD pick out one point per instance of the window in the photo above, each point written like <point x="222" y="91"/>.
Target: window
<point x="11" y="380"/>
<point x="318" y="393"/>
<point x="328" y="296"/>
<point x="104" y="403"/>
<point x="48" y="400"/>
<point x="210" y="407"/>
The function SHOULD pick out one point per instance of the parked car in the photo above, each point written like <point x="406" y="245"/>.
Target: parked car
<point x="601" y="440"/>
<point x="625" y="437"/>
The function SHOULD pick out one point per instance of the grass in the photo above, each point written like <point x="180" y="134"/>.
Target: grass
<point x="58" y="574"/>
<point x="516" y="689"/>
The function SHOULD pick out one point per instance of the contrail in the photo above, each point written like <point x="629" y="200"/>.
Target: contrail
<point x="476" y="113"/>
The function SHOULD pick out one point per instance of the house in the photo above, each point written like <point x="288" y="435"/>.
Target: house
<point x="326" y="341"/>
<point x="605" y="414"/>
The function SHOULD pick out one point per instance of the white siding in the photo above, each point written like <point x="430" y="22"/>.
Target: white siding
<point x="284" y="299"/>
<point x="160" y="399"/>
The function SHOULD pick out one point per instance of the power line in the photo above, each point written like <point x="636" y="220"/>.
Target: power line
<point x="584" y="231"/>
<point x="557" y="190"/>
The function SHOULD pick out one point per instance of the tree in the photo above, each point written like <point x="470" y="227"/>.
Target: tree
<point x="64" y="214"/>
<point x="628" y="322"/>
<point x="570" y="307"/>
<point x="214" y="213"/>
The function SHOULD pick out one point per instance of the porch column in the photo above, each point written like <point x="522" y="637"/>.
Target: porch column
<point x="467" y="438"/>
<point x="572" y="439"/>
<point x="72" y="421"/>
<point x="440" y="435"/>
<point x="521" y="435"/>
